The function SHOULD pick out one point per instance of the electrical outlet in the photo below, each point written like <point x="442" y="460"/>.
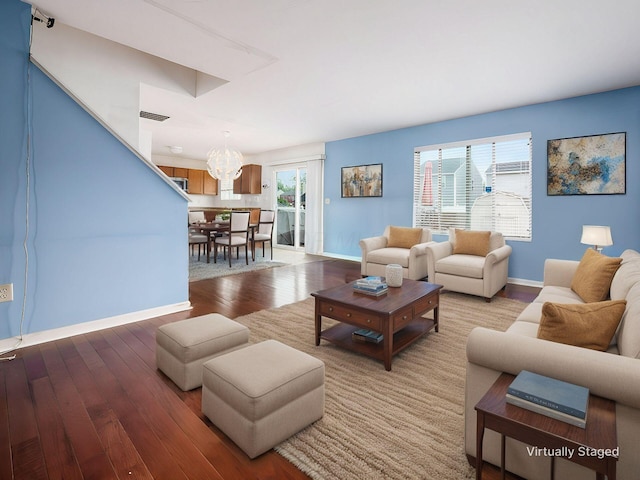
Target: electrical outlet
<point x="6" y="292"/>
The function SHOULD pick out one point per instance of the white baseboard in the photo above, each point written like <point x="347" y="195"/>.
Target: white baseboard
<point x="525" y="282"/>
<point x="36" y="338"/>
<point x="340" y="256"/>
<point x="516" y="281"/>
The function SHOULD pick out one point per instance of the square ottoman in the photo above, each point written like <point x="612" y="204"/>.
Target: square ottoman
<point x="261" y="395"/>
<point x="182" y="347"/>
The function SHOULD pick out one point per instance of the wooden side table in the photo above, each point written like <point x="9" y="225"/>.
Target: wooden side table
<point x="594" y="447"/>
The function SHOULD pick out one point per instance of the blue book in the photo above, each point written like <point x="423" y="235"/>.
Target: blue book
<point x="371" y="284"/>
<point x="551" y="393"/>
<point x="549" y="412"/>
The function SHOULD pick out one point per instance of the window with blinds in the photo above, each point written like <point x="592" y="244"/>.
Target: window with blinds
<point x="226" y="190"/>
<point x="482" y="184"/>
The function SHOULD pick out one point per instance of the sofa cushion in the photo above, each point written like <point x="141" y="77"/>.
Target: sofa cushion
<point x="552" y="293"/>
<point x="385" y="256"/>
<point x="528" y="329"/>
<point x="593" y="276"/>
<point x="471" y="242"/>
<point x="531" y="314"/>
<point x="404" y="237"/>
<point x="588" y="325"/>
<point x="461" y="265"/>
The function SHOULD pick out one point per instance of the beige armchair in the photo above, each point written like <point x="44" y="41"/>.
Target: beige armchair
<point x="400" y="245"/>
<point x="475" y="262"/>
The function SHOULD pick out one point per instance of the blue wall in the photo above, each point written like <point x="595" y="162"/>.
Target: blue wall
<point x="106" y="236"/>
<point x="557" y="221"/>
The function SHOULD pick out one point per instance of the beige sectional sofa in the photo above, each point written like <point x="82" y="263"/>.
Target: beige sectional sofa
<point x="614" y="373"/>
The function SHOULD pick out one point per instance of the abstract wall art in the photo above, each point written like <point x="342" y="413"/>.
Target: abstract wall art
<point x="362" y="181"/>
<point x="593" y="165"/>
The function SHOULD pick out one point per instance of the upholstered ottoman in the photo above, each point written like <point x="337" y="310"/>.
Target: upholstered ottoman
<point x="182" y="347"/>
<point x="263" y="394"/>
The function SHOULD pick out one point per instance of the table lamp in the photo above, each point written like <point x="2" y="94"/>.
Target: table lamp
<point x="596" y="235"/>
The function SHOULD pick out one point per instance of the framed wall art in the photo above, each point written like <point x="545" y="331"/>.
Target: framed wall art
<point x="362" y="181"/>
<point x="593" y="165"/>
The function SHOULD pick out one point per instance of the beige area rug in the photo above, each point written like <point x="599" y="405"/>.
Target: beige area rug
<point x="403" y="424"/>
<point x="200" y="269"/>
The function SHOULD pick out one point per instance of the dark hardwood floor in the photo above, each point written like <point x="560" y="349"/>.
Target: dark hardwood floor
<point x="94" y="406"/>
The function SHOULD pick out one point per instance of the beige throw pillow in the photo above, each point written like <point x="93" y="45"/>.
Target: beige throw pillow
<point x="472" y="242"/>
<point x="592" y="279"/>
<point x="588" y="325"/>
<point x="404" y="237"/>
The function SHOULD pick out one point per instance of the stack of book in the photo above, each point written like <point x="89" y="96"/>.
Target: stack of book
<point x="554" y="398"/>
<point x="364" y="335"/>
<point x="371" y="286"/>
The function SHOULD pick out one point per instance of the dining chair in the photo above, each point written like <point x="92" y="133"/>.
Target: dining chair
<point x="265" y="230"/>
<point x="255" y="216"/>
<point x="237" y="236"/>
<point x="197" y="238"/>
<point x="196" y="217"/>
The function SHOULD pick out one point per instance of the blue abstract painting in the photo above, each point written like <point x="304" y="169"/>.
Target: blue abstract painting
<point x="593" y="165"/>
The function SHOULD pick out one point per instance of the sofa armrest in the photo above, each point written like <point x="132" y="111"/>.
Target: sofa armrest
<point x="419" y="249"/>
<point x="605" y="374"/>
<point x="498" y="254"/>
<point x="559" y="273"/>
<point x="372" y="243"/>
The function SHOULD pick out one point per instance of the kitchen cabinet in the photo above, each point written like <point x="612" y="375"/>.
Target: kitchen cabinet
<point x="250" y="181"/>
<point x="168" y="171"/>
<point x="210" y="184"/>
<point x="180" y="172"/>
<point x="196" y="181"/>
<point x="200" y="182"/>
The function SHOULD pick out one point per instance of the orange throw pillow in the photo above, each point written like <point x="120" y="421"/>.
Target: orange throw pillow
<point x="404" y="237"/>
<point x="593" y="277"/>
<point x="588" y="325"/>
<point x="472" y="242"/>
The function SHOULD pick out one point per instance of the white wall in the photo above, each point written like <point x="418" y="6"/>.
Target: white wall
<point x="106" y="76"/>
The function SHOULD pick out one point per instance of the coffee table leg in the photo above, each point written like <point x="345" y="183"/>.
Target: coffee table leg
<point x="388" y="345"/>
<point x="318" y="323"/>
<point x="436" y="318"/>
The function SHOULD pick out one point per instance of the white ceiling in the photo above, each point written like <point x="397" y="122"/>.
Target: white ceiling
<point x="305" y="71"/>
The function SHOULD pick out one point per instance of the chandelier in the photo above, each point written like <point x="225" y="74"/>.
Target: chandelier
<point x="224" y="163"/>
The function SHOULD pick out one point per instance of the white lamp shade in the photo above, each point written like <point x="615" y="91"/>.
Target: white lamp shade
<point x="596" y="235"/>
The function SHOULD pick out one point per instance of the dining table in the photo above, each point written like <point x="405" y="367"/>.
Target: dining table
<point x="210" y="229"/>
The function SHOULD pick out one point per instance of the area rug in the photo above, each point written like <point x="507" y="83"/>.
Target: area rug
<point x="403" y="424"/>
<point x="200" y="269"/>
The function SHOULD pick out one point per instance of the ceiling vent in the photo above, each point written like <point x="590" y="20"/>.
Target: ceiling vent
<point x="153" y="116"/>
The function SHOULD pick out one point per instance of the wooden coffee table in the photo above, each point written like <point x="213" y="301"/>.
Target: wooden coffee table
<point x="396" y="314"/>
<point x="494" y="413"/>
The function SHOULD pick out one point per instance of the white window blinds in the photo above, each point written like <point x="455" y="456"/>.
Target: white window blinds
<point x="482" y="184"/>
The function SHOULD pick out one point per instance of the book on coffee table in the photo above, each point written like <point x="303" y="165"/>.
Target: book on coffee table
<point x="364" y="335"/>
<point x="374" y="286"/>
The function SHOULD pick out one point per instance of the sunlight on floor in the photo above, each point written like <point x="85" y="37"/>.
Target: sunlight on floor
<point x="291" y="256"/>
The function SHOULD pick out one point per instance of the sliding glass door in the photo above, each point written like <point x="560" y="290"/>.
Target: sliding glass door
<point x="291" y="192"/>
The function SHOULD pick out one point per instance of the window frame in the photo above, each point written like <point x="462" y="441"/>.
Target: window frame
<point x="511" y="209"/>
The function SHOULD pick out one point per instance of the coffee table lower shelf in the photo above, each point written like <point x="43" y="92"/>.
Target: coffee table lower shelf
<point x="340" y="334"/>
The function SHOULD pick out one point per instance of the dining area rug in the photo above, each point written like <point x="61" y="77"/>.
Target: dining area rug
<point x="404" y="424"/>
<point x="200" y="269"/>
